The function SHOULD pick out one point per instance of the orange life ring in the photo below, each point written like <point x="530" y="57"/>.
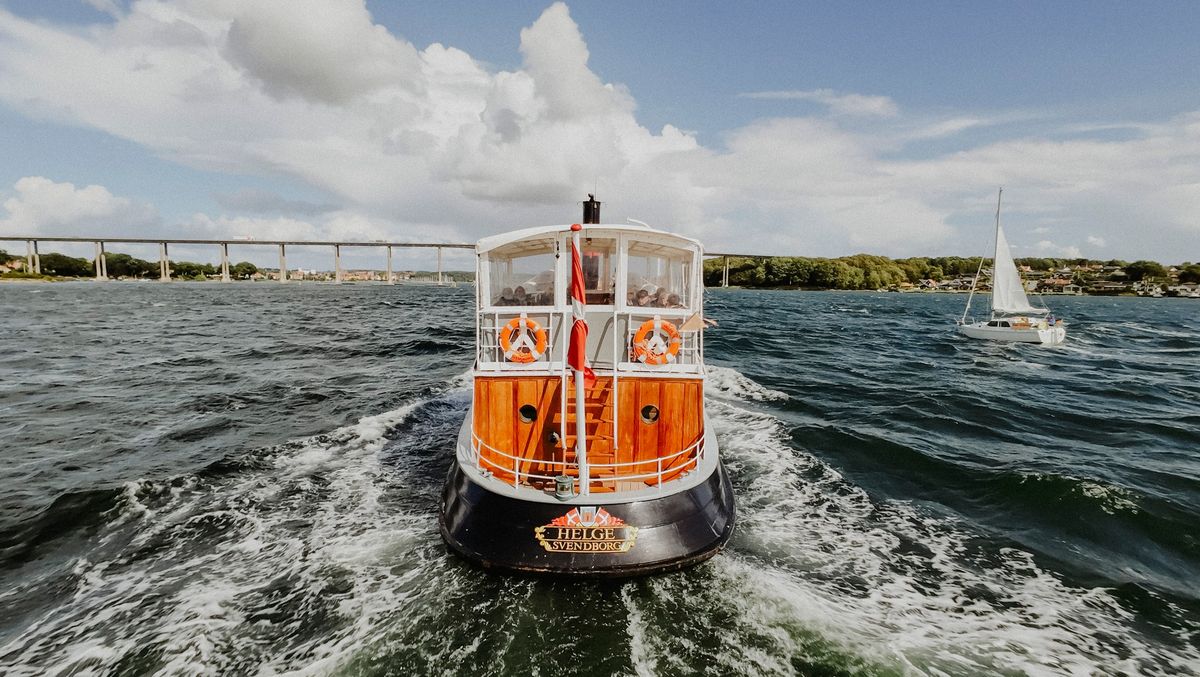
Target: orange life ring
<point x="642" y="350"/>
<point x="515" y="343"/>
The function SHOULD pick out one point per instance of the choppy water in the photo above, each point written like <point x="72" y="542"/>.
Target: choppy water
<point x="243" y="479"/>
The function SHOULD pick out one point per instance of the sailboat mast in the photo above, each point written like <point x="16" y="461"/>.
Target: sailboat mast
<point x="979" y="270"/>
<point x="995" y="252"/>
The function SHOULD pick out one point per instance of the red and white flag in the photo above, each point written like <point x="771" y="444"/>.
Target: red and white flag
<point x="577" y="351"/>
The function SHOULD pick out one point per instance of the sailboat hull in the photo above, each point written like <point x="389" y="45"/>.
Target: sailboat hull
<point x="647" y="536"/>
<point x="1048" y="336"/>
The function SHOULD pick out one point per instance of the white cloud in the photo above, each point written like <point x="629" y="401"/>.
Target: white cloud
<point x="842" y="104"/>
<point x="42" y="206"/>
<point x="109" y="7"/>
<point x="325" y="50"/>
<point x="433" y="143"/>
<point x="1048" y="248"/>
<point x="1096" y="241"/>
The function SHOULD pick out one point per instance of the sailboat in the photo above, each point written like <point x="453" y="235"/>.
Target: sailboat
<point x="1012" y="317"/>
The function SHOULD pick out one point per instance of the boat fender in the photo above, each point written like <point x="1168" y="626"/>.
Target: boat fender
<point x="515" y="335"/>
<point x="647" y="334"/>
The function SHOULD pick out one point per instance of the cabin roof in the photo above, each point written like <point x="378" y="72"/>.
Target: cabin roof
<point x="539" y="232"/>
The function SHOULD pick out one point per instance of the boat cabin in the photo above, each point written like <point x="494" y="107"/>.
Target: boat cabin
<point x="644" y="412"/>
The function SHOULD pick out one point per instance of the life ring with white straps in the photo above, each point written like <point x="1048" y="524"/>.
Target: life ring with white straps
<point x="516" y="343"/>
<point x="656" y="342"/>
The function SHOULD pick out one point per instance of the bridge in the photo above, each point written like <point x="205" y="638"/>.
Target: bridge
<point x="34" y="263"/>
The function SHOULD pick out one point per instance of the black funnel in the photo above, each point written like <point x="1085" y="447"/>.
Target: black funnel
<point x="591" y="210"/>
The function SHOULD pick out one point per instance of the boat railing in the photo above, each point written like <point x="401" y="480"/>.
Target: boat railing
<point x="664" y="466"/>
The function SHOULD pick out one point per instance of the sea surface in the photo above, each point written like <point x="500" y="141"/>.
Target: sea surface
<point x="244" y="479"/>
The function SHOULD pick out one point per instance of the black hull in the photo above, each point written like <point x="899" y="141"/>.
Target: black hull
<point x="650" y="535"/>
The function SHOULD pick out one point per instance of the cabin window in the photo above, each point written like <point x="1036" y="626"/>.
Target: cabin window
<point x="522" y="274"/>
<point x="599" y="263"/>
<point x="658" y="276"/>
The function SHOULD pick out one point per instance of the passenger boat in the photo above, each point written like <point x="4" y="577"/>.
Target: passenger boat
<point x="1013" y="318"/>
<point x="587" y="450"/>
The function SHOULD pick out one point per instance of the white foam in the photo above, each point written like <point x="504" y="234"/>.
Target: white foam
<point x="730" y="384"/>
<point x="902" y="586"/>
<point x="816" y="568"/>
<point x="223" y="544"/>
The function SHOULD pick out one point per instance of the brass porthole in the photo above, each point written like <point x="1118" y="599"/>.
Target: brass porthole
<point x="649" y="414"/>
<point x="528" y="413"/>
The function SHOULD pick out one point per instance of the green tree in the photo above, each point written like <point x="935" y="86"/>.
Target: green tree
<point x="787" y="271"/>
<point x="243" y="270"/>
<point x="1145" y="270"/>
<point x="192" y="271"/>
<point x="124" y="265"/>
<point x="1190" y="274"/>
<point x="54" y="263"/>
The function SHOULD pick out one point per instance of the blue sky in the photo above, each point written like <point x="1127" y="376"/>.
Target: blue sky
<point x="807" y="128"/>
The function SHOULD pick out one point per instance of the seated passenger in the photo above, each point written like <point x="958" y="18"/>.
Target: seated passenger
<point x="673" y="301"/>
<point x="520" y="298"/>
<point x="643" y="298"/>
<point x="506" y="297"/>
<point x="660" y="297"/>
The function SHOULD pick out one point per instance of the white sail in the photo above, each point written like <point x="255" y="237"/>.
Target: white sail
<point x="1008" y="295"/>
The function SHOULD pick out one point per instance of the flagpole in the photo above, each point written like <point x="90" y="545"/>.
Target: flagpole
<point x="580" y="410"/>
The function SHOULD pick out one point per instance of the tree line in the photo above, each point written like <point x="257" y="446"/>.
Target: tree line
<point x="861" y="271"/>
<point x="124" y="265"/>
<point x="865" y="271"/>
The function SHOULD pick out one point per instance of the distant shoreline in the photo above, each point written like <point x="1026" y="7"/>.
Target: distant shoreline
<point x="425" y="283"/>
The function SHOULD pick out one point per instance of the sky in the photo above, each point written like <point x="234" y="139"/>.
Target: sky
<point x="797" y="128"/>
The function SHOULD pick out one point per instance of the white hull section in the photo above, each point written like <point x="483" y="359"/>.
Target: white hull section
<point x="1049" y="336"/>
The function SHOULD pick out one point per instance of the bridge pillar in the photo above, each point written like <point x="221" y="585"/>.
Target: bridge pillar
<point x="33" y="262"/>
<point x="389" y="266"/>
<point x="439" y="250"/>
<point x="725" y="275"/>
<point x="283" y="271"/>
<point x="164" y="265"/>
<point x="337" y="263"/>
<point x="101" y="266"/>
<point x="224" y="261"/>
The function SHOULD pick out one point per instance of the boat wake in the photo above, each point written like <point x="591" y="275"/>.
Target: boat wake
<point x="322" y="555"/>
<point x="282" y="561"/>
<point x="898" y="585"/>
